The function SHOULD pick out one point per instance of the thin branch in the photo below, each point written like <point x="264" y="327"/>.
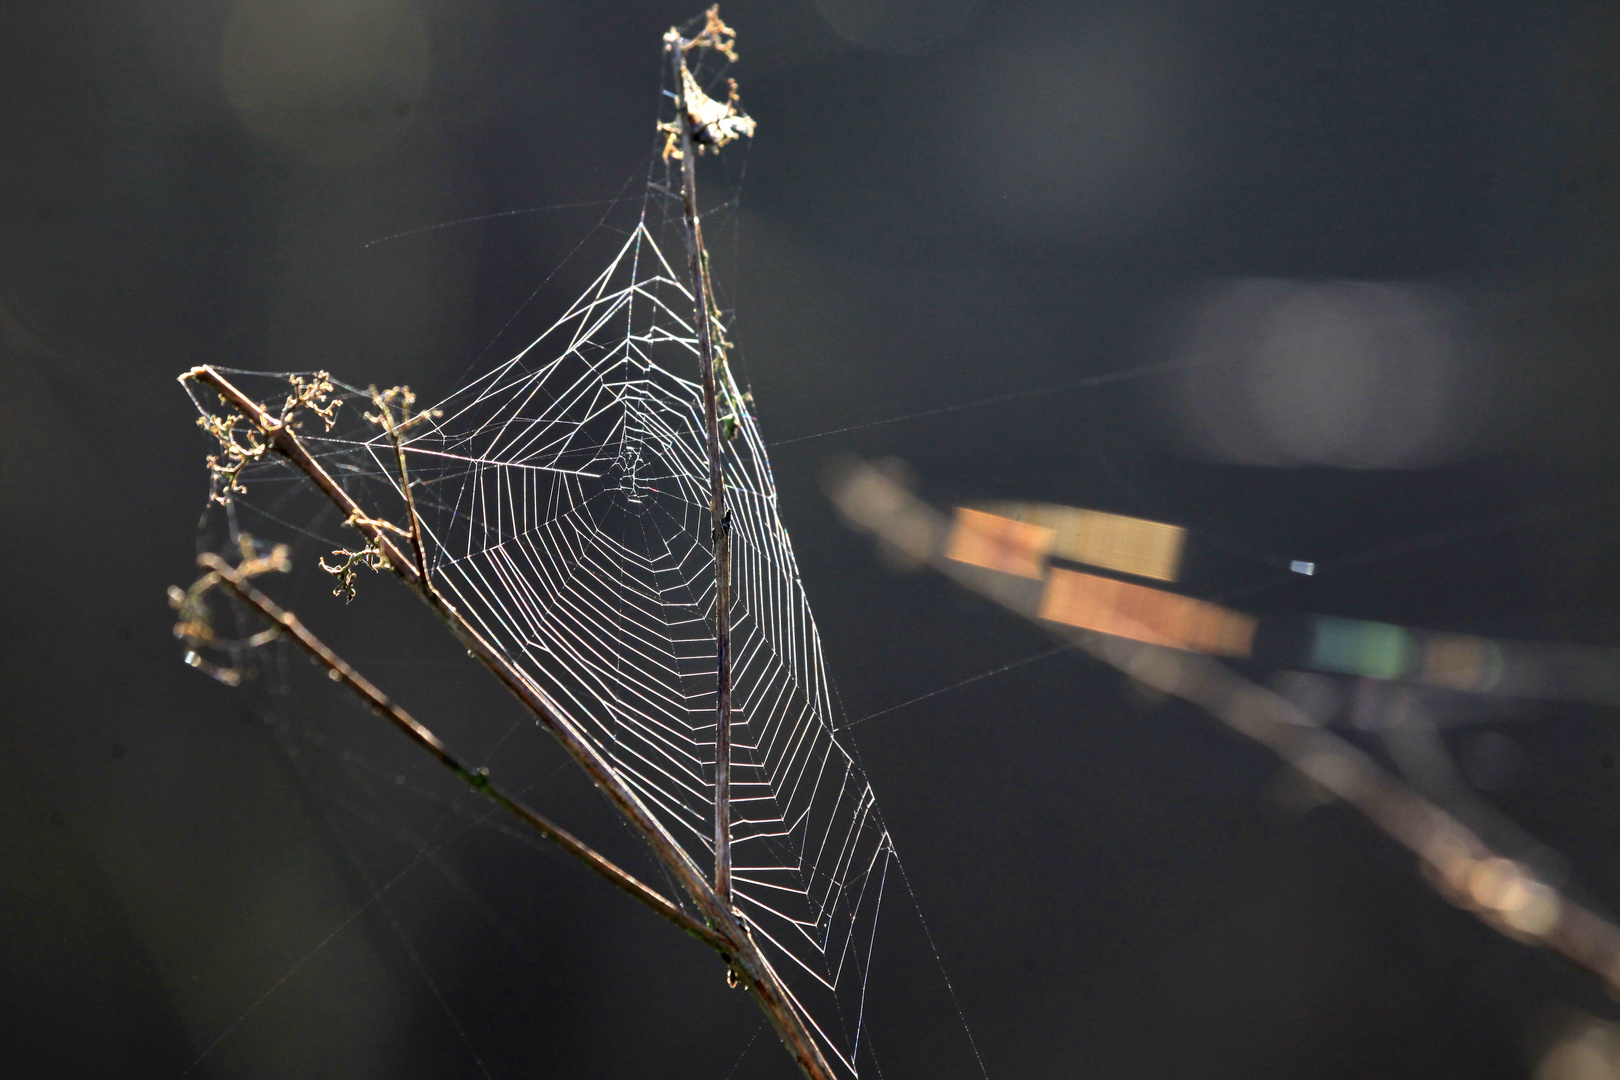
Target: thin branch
<point x="395" y="432"/>
<point x="746" y="963"/>
<point x="697" y="259"/>
<point x="292" y="627"/>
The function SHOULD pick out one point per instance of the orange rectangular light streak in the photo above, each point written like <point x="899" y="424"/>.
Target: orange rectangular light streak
<point x="1139" y="613"/>
<point x="999" y="543"/>
<point x="1149" y="549"/>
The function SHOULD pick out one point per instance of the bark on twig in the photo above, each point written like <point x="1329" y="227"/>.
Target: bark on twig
<point x="720" y="515"/>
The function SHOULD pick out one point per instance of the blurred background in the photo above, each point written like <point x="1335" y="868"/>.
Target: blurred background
<point x="1365" y="256"/>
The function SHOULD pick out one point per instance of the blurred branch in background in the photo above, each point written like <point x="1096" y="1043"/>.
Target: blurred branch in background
<point x="1160" y="640"/>
<point x="1022" y="539"/>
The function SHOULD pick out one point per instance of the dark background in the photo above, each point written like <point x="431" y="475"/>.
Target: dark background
<point x="944" y="203"/>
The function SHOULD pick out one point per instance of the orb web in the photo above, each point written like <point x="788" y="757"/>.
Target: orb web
<point x="565" y="507"/>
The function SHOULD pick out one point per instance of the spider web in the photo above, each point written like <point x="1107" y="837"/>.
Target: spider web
<point x="565" y="505"/>
<point x="572" y="525"/>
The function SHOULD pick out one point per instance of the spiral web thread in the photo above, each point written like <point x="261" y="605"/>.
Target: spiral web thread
<point x="565" y="508"/>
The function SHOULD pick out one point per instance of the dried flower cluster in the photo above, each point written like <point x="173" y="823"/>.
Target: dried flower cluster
<point x="241" y="442"/>
<point x="713" y="123"/>
<point x="196" y="625"/>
